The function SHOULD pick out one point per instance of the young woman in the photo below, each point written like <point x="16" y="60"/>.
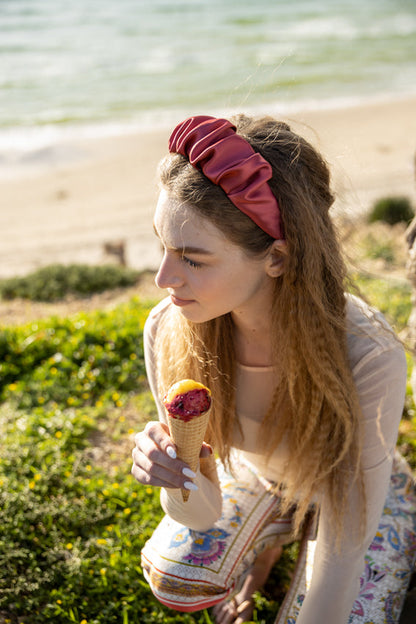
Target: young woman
<point x="307" y="382"/>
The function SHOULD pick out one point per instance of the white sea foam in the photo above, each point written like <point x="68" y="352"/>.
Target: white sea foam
<point x="323" y="27"/>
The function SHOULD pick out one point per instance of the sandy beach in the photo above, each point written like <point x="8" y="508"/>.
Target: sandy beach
<point x="63" y="203"/>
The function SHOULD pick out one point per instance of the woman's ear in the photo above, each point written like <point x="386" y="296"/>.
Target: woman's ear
<point x="276" y="258"/>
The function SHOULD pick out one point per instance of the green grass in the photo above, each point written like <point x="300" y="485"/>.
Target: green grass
<point x="72" y="519"/>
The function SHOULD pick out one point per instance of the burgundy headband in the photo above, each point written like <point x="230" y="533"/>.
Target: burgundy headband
<point x="229" y="161"/>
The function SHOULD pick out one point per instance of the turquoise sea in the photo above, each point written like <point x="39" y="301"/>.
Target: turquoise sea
<point x="104" y="66"/>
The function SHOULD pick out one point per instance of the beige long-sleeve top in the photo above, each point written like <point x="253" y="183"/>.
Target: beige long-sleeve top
<point x="378" y="364"/>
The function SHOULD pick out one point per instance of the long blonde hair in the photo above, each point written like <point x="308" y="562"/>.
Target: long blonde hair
<point x="315" y="407"/>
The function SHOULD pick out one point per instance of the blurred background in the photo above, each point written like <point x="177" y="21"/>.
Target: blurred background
<point x="90" y="89"/>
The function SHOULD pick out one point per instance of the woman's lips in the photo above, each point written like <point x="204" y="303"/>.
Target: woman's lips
<point x="180" y="302"/>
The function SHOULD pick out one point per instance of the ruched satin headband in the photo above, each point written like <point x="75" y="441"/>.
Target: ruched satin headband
<point x="229" y="161"/>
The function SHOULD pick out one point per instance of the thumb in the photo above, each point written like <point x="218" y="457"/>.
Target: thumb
<point x="206" y="450"/>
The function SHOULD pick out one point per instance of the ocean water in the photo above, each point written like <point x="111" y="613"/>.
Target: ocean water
<point x="105" y="66"/>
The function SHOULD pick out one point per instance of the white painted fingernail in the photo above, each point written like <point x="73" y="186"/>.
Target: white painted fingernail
<point x="171" y="452"/>
<point x="187" y="472"/>
<point x="190" y="485"/>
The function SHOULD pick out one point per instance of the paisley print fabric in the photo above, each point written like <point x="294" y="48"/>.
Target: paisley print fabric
<point x="190" y="570"/>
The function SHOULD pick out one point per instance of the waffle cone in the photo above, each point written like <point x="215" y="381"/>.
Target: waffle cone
<point x="188" y="438"/>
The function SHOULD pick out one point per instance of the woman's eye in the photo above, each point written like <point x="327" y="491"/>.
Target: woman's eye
<point x="192" y="263"/>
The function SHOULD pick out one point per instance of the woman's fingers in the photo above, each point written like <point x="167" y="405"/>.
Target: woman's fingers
<point x="225" y="612"/>
<point x="159" y="433"/>
<point x="154" y="459"/>
<point x="206" y="450"/>
<point x="150" y="472"/>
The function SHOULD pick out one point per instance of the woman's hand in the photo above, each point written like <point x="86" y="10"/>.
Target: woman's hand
<point x="155" y="461"/>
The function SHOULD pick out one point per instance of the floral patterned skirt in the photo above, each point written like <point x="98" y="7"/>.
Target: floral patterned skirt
<point x="190" y="570"/>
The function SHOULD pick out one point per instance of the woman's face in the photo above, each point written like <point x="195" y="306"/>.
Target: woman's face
<point x="204" y="273"/>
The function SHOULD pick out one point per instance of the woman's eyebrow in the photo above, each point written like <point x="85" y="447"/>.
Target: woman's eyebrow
<point x="195" y="250"/>
<point x="186" y="249"/>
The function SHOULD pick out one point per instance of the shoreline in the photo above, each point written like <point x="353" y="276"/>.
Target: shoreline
<point x="77" y="195"/>
<point x="29" y="150"/>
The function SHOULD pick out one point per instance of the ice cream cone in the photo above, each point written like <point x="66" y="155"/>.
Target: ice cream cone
<point x="188" y="438"/>
<point x="188" y="406"/>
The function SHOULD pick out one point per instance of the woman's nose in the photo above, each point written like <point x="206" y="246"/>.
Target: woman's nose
<point x="168" y="274"/>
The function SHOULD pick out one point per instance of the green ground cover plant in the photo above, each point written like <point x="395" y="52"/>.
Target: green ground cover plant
<point x="392" y="296"/>
<point x="72" y="519"/>
<point x="392" y="210"/>
<point x="73" y="361"/>
<point x="379" y="249"/>
<point x="57" y="281"/>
